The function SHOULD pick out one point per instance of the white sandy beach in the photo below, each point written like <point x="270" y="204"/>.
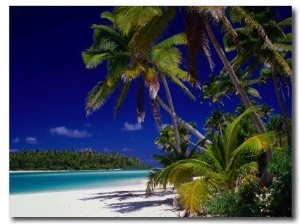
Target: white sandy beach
<point x="121" y="201"/>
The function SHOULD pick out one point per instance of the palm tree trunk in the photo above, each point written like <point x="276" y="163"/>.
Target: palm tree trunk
<point x="282" y="108"/>
<point x="245" y="100"/>
<point x="179" y="120"/>
<point x="174" y="120"/>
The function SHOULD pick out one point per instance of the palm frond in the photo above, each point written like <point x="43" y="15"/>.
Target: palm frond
<point x="183" y="170"/>
<point x="152" y="181"/>
<point x="122" y="95"/>
<point x="132" y="71"/>
<point x="197" y="39"/>
<point x="194" y="194"/>
<point x="98" y="96"/>
<point x="287" y="38"/>
<point x="146" y="35"/>
<point x="177" y="39"/>
<point x="117" y="65"/>
<point x="217" y="152"/>
<point x="231" y="131"/>
<point x="166" y="56"/>
<point x="92" y="58"/>
<point x="156" y="113"/>
<point x="180" y="83"/>
<point x="286" y="22"/>
<point x="283" y="64"/>
<point x="165" y="160"/>
<point x="256" y="144"/>
<point x="247" y="169"/>
<point x="140" y="104"/>
<point x="108" y="15"/>
<point x="250" y="21"/>
<point x="137" y="16"/>
<point x="105" y="38"/>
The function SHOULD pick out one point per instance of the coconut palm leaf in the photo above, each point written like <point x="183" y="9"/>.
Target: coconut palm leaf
<point x="177" y="39"/>
<point x="136" y="16"/>
<point x="166" y="56"/>
<point x="286" y="22"/>
<point x="108" y="15"/>
<point x="122" y="95"/>
<point x="194" y="194"/>
<point x="152" y="181"/>
<point x="105" y="38"/>
<point x="92" y="58"/>
<point x="232" y="128"/>
<point x="172" y="75"/>
<point x="144" y="38"/>
<point x="156" y="113"/>
<point x="257" y="144"/>
<point x="98" y="95"/>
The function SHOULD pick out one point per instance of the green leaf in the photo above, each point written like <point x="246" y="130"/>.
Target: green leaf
<point x="92" y="59"/>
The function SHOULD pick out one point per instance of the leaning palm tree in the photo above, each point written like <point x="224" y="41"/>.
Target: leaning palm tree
<point x="218" y="15"/>
<point x="116" y="45"/>
<point x="227" y="164"/>
<point x="197" y="24"/>
<point x="254" y="51"/>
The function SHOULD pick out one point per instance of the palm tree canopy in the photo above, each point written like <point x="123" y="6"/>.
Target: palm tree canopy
<point x="114" y="44"/>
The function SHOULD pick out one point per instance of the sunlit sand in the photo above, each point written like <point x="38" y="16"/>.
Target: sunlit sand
<point x="119" y="201"/>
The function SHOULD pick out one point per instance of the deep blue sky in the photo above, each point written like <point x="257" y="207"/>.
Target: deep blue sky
<point x="49" y="84"/>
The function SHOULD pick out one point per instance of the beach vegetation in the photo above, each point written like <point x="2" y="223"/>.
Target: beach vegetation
<point x="72" y="160"/>
<point x="169" y="155"/>
<point x="230" y="162"/>
<point x="235" y="172"/>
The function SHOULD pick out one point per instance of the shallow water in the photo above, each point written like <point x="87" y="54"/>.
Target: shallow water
<point x="49" y="181"/>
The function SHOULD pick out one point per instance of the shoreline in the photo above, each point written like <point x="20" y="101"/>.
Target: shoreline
<point x="117" y="201"/>
<point x="24" y="171"/>
<point x="128" y="183"/>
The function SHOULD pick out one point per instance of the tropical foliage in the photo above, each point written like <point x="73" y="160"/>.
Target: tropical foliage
<point x="225" y="173"/>
<point x="72" y="160"/>
<point x="228" y="163"/>
<point x="169" y="155"/>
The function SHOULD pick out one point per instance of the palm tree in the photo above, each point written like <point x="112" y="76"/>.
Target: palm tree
<point x="253" y="49"/>
<point x="198" y="16"/>
<point x="153" y="24"/>
<point x="227" y="164"/>
<point x="216" y="123"/>
<point x="166" y="138"/>
<point x="125" y="63"/>
<point x="169" y="155"/>
<point x="220" y="86"/>
<point x="218" y="15"/>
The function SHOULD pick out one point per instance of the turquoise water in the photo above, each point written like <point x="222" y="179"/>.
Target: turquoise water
<point x="33" y="182"/>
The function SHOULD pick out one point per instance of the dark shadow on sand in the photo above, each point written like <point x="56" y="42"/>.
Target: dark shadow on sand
<point x="124" y="207"/>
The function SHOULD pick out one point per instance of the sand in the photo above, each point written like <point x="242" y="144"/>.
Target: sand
<point x="119" y="201"/>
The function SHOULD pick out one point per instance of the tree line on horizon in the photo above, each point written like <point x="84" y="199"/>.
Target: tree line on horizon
<point x="72" y="160"/>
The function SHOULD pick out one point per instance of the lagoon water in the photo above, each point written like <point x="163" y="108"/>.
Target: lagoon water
<point x="37" y="181"/>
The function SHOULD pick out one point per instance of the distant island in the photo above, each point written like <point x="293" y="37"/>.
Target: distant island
<point x="72" y="160"/>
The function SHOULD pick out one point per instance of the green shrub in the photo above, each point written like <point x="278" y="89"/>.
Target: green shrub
<point x="243" y="203"/>
<point x="280" y="200"/>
